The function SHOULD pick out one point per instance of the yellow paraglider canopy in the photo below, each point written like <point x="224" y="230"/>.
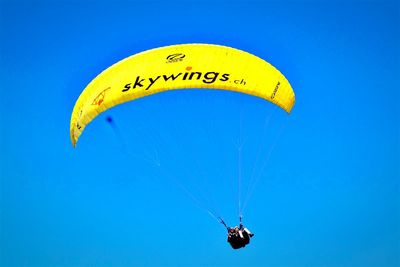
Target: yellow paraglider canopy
<point x="178" y="67"/>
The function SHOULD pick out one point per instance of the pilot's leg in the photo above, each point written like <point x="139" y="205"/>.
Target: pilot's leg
<point x="248" y="232"/>
<point x="241" y="234"/>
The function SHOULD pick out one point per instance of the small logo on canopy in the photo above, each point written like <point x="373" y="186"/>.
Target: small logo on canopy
<point x="99" y="99"/>
<point x="175" y="58"/>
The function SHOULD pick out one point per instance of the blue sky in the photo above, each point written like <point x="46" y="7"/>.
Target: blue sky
<point x="328" y="194"/>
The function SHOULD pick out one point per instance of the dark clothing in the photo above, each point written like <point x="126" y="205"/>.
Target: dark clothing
<point x="238" y="238"/>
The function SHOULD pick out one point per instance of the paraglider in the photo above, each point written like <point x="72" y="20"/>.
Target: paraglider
<point x="180" y="67"/>
<point x="238" y="236"/>
<point x="183" y="66"/>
